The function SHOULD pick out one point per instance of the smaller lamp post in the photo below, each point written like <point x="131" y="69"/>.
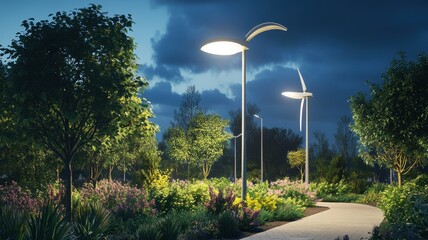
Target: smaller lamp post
<point x="261" y="146"/>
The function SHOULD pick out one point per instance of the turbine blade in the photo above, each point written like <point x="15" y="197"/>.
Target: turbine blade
<point x="302" y="81"/>
<point x="301" y="112"/>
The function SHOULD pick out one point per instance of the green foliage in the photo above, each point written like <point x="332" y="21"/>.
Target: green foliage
<point x="91" y="221"/>
<point x="266" y="216"/>
<point x="407" y="206"/>
<point x="72" y="79"/>
<point x="325" y="189"/>
<point x="13" y="223"/>
<point x="178" y="195"/>
<point x="289" y="210"/>
<point x="49" y="224"/>
<point x="297" y="160"/>
<point x="201" y="144"/>
<point x="392" y="130"/>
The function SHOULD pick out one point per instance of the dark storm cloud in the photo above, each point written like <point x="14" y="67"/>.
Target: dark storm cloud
<point x="338" y="45"/>
<point x="316" y="28"/>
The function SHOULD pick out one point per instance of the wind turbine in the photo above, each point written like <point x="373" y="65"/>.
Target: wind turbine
<point x="302" y="95"/>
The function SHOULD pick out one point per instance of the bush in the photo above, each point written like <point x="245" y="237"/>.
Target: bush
<point x="325" y="189"/>
<point x="285" y="188"/>
<point x="15" y="196"/>
<point x="219" y="203"/>
<point x="91" y="221"/>
<point x="406" y="207"/>
<point x="121" y="199"/>
<point x="266" y="216"/>
<point x="289" y="210"/>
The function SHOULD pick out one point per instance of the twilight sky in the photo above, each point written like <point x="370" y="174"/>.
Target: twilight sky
<point x="338" y="46"/>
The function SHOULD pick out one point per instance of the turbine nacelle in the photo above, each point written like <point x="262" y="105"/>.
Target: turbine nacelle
<point x="299" y="95"/>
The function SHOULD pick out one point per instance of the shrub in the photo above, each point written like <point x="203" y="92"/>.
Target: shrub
<point x="248" y="218"/>
<point x="266" y="216"/>
<point x="91" y="221"/>
<point x="219" y="203"/>
<point x="18" y="198"/>
<point x="49" y="224"/>
<point x="325" y="189"/>
<point x="289" y="210"/>
<point x="12" y="223"/>
<point x="121" y="199"/>
<point x="406" y="207"/>
<point x="284" y="188"/>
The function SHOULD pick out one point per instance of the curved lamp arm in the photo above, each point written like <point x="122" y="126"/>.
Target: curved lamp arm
<point x="263" y="28"/>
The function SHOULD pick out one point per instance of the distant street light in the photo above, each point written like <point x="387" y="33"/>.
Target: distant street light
<point x="227" y="47"/>
<point x="235" y="137"/>
<point x="303" y="95"/>
<point x="261" y="146"/>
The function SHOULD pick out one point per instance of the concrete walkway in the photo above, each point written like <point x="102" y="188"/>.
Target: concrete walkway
<point x="355" y="220"/>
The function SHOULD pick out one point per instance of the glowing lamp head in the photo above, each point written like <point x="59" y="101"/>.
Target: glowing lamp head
<point x="223" y="47"/>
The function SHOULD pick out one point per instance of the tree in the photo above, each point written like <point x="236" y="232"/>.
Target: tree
<point x="297" y="160"/>
<point x="209" y="139"/>
<point x="391" y="124"/>
<point x="189" y="108"/>
<point x="70" y="78"/>
<point x="346" y="142"/>
<point x="202" y="144"/>
<point x="321" y="156"/>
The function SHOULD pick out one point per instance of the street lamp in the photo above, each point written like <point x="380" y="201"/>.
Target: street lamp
<point x="226" y="47"/>
<point x="261" y="146"/>
<point x="303" y="95"/>
<point x="235" y="137"/>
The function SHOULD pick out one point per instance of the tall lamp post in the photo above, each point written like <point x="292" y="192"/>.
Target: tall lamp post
<point x="261" y="146"/>
<point x="235" y="137"/>
<point x="227" y="47"/>
<point x="303" y="95"/>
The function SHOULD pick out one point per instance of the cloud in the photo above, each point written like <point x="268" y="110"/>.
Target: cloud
<point x="337" y="45"/>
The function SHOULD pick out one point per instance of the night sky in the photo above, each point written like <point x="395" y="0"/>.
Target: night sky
<point x="337" y="45"/>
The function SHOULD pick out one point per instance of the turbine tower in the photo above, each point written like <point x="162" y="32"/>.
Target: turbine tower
<point x="302" y="95"/>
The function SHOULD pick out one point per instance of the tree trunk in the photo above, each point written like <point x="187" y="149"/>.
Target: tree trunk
<point x="399" y="178"/>
<point x="110" y="169"/>
<point x="68" y="188"/>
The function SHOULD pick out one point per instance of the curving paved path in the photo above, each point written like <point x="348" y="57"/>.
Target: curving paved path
<point x="355" y="220"/>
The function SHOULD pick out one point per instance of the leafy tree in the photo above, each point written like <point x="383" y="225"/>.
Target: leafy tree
<point x="209" y="138"/>
<point x="69" y="79"/>
<point x="391" y="124"/>
<point x="202" y="144"/>
<point x="297" y="160"/>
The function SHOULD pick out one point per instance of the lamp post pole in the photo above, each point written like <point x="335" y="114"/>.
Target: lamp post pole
<point x="235" y="137"/>
<point x="307" y="144"/>
<point x="261" y="146"/>
<point x="228" y="47"/>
